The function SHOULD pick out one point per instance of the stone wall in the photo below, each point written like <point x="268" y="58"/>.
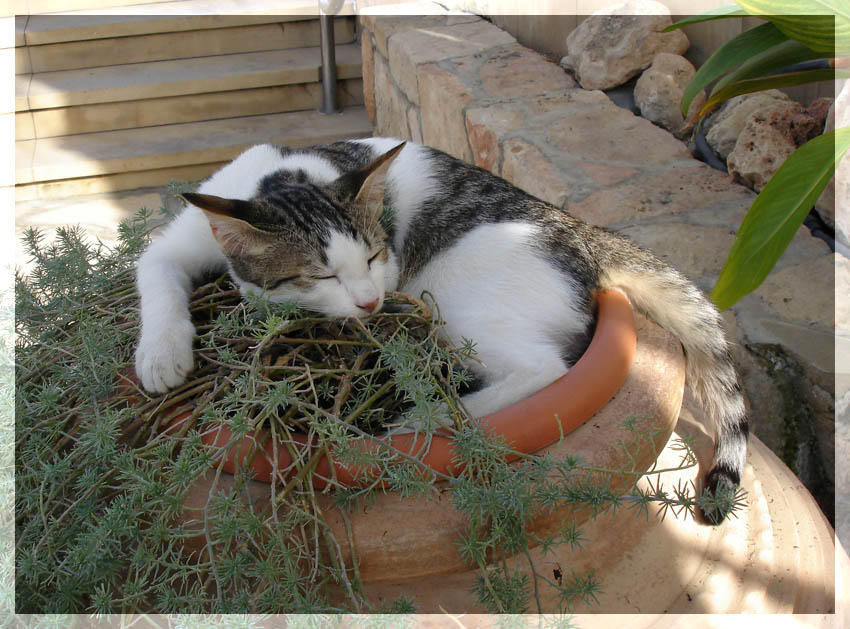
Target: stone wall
<point x="460" y="84"/>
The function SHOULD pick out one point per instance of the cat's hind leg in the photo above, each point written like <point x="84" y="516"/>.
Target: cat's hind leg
<point x="513" y="377"/>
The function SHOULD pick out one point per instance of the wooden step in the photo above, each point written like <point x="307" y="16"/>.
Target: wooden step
<point x="164" y="9"/>
<point x="159" y="79"/>
<point x="46" y="123"/>
<point x="32" y="7"/>
<point x="231" y="36"/>
<point x="150" y="156"/>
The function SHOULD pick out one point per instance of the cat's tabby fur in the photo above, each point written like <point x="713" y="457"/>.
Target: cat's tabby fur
<point x="513" y="273"/>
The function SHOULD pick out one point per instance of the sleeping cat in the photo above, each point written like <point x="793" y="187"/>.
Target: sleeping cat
<point x="511" y="272"/>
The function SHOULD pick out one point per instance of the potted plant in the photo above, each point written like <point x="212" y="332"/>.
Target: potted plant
<point x="143" y="514"/>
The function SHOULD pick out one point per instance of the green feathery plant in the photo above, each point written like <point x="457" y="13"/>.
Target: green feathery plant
<point x="102" y="523"/>
<point x="794" y="31"/>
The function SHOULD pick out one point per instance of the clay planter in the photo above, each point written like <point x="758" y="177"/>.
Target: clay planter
<point x="405" y="540"/>
<point x="528" y="425"/>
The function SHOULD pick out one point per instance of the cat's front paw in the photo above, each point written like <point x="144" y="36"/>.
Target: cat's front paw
<point x="164" y="356"/>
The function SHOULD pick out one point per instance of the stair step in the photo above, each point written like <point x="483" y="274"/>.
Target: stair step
<point x="161" y="17"/>
<point x="170" y="147"/>
<point x="159" y="79"/>
<point x="32" y="7"/>
<point x="46" y="123"/>
<point x="231" y="36"/>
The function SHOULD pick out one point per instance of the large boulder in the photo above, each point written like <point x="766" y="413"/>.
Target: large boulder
<point x="659" y="90"/>
<point x="617" y="42"/>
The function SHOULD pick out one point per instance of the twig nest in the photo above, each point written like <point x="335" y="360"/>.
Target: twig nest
<point x="265" y="365"/>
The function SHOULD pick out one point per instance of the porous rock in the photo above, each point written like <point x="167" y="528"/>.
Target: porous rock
<point x="724" y="126"/>
<point x="767" y="140"/>
<point x="659" y="90"/>
<point x="617" y="42"/>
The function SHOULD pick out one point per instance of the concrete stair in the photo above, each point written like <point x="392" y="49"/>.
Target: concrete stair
<point x="151" y="93"/>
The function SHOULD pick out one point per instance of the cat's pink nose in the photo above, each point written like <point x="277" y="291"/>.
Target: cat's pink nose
<point x="370" y="306"/>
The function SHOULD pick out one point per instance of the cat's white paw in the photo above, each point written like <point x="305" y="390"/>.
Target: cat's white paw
<point x="164" y="356"/>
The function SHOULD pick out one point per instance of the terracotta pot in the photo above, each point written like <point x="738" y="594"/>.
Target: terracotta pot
<point x="528" y="425"/>
<point x="405" y="540"/>
<point x="778" y="555"/>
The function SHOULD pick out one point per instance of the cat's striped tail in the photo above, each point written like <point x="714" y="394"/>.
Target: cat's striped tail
<point x="672" y="301"/>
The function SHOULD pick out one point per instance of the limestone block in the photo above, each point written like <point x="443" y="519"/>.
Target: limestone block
<point x="414" y="123"/>
<point x="723" y="128"/>
<point x="525" y="166"/>
<point x="628" y="139"/>
<point x="409" y="50"/>
<point x="515" y="71"/>
<point x="443" y="97"/>
<point x="368" y="77"/>
<point x="385" y="21"/>
<point x="486" y="127"/>
<point x="391" y="108"/>
<point x="658" y="93"/>
<point x="617" y="42"/>
<point x="675" y="191"/>
<point x="698" y="252"/>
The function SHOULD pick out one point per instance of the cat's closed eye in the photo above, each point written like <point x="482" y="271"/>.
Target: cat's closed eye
<point x="277" y="284"/>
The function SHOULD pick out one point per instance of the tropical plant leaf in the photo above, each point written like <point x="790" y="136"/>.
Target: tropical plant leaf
<point x="712" y="14"/>
<point x="782" y="55"/>
<point x="773" y="81"/>
<point x="822" y="25"/>
<point x="776" y="214"/>
<point x="732" y="53"/>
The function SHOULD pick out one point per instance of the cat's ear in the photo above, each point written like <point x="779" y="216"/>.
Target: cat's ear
<point x="236" y="236"/>
<point x="365" y="187"/>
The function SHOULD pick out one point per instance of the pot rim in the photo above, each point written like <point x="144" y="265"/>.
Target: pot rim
<point x="527" y="426"/>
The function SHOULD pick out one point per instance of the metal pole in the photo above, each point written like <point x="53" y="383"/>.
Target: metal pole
<point x="329" y="80"/>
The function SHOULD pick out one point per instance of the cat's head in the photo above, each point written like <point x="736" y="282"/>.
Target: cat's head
<point x="320" y="245"/>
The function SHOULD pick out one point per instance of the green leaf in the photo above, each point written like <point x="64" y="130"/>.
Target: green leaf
<point x="712" y="14"/>
<point x="776" y="214"/>
<point x="732" y="53"/>
<point x="773" y="81"/>
<point x="822" y="25"/>
<point x="775" y="58"/>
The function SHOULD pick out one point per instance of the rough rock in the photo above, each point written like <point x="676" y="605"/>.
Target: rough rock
<point x="838" y="189"/>
<point x="820" y="109"/>
<point x="658" y="92"/>
<point x="619" y="41"/>
<point x="766" y="141"/>
<point x="724" y="127"/>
